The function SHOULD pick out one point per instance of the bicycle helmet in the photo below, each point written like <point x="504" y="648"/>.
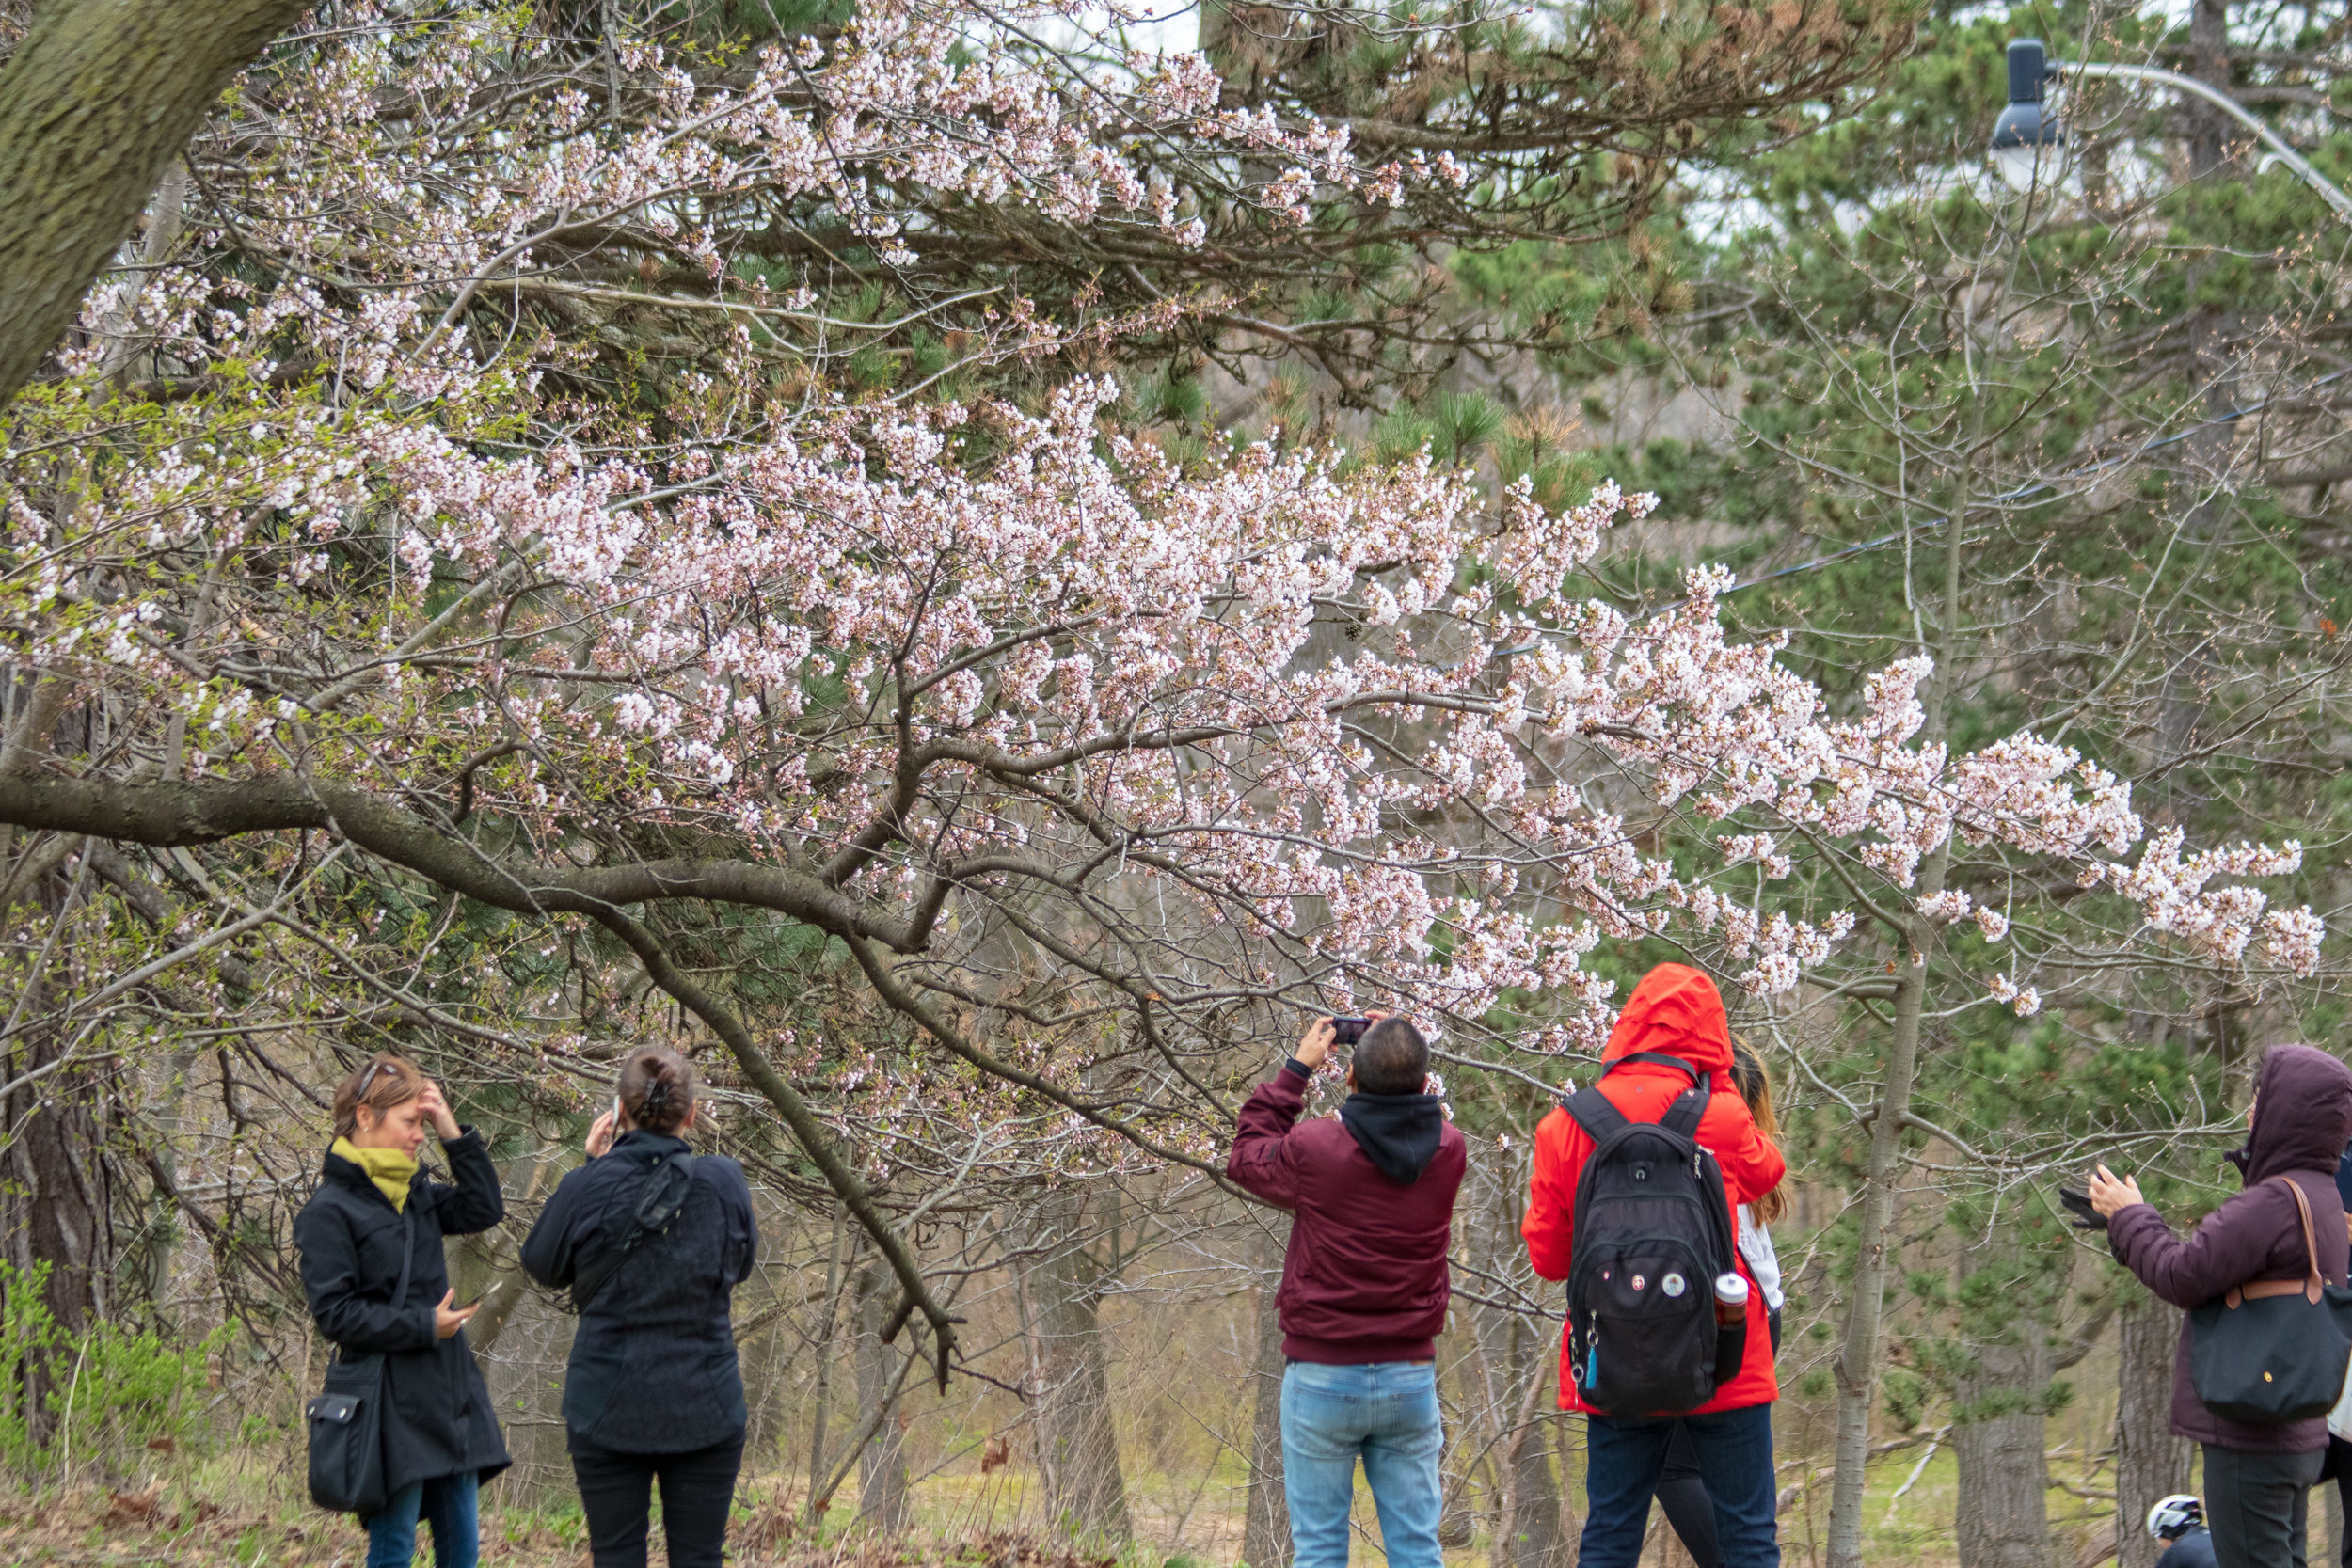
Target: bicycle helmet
<point x="2175" y="1515"/>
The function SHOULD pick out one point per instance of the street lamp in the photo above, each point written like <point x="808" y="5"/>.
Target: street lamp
<point x="2024" y="131"/>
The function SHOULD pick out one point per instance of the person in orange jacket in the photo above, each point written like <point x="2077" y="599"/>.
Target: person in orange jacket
<point x="1675" y="1011"/>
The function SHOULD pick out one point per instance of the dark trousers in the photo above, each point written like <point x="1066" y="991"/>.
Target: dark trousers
<point x="1625" y="1458"/>
<point x="697" y="1490"/>
<point x="2256" y="1505"/>
<point x="1682" y="1494"/>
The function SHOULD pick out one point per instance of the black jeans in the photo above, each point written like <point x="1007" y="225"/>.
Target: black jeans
<point x="1682" y="1494"/>
<point x="2257" y="1504"/>
<point x="1689" y="1510"/>
<point x="697" y="1490"/>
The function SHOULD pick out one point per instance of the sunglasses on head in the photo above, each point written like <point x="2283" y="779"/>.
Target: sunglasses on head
<point x="369" y="1077"/>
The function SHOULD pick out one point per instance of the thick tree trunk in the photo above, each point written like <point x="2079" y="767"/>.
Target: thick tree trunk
<point x="881" y="1465"/>
<point x="56" y="1210"/>
<point x="1999" y="1435"/>
<point x="2209" y="62"/>
<point x="1858" y="1355"/>
<point x="1077" y="1446"/>
<point x="56" y="1182"/>
<point x="1912" y="938"/>
<point x="1266" y="1539"/>
<point x="1539" y="1532"/>
<point x="95" y="104"/>
<point x="2149" y="1462"/>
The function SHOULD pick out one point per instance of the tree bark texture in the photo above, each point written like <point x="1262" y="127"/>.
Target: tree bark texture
<point x="882" y="1466"/>
<point x="2149" y="1462"/>
<point x="1265" y="1525"/>
<point x="1912" y="938"/>
<point x="1520" y="1371"/>
<point x="1999" y="1435"/>
<point x="94" y="105"/>
<point x="2209" y="62"/>
<point x="1077" y="1444"/>
<point x="55" y="1179"/>
<point x="1539" y="1532"/>
<point x="1858" y="1354"/>
<point x="57" y="1207"/>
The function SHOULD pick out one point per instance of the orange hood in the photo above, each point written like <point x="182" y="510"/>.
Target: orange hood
<point x="1676" y="1010"/>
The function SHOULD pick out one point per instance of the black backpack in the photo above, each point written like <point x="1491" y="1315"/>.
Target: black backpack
<point x="1653" y="1229"/>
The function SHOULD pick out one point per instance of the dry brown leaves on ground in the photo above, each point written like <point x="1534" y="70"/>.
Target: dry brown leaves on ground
<point x="105" y="1528"/>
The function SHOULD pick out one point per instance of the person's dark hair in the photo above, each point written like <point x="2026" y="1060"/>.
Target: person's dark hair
<point x="383" y="1081"/>
<point x="657" y="1088"/>
<point x="1391" y="1058"/>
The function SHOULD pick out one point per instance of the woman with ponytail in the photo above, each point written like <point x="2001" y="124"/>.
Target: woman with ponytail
<point x="369" y="1240"/>
<point x="651" y="1240"/>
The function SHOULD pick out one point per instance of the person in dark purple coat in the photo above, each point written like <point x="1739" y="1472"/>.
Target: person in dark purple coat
<point x="2258" y="1479"/>
<point x="1364" y="1286"/>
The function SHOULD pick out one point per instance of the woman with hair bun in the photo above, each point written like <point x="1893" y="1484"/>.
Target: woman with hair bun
<point x="374" y="1224"/>
<point x="651" y="1240"/>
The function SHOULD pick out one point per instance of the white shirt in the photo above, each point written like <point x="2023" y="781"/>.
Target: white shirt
<point x="1756" y="1250"/>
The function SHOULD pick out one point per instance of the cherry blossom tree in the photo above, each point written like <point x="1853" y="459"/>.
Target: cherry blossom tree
<point x="1094" y="767"/>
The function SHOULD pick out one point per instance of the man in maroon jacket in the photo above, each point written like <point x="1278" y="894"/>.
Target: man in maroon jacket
<point x="1364" y="1286"/>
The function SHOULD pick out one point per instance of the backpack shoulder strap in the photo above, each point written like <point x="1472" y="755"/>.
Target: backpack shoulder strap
<point x="1593" y="1113"/>
<point x="1696" y="1077"/>
<point x="1684" y="1116"/>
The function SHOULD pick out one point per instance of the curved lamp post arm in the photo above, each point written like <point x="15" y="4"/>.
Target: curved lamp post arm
<point x="2219" y="100"/>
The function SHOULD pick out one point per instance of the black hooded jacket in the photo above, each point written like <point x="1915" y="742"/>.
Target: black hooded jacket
<point x="1398" y="1132"/>
<point x="653" y="1367"/>
<point x="437" y="1417"/>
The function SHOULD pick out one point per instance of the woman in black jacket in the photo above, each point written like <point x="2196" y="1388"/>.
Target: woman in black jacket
<point x="652" y="1241"/>
<point x="440" y="1438"/>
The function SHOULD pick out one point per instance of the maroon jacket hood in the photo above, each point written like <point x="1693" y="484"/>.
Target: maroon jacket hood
<point x="2302" y="1114"/>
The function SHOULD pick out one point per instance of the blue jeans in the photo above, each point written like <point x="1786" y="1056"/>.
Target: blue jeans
<point x="1385" y="1412"/>
<point x="446" y="1505"/>
<point x="1622" y="1464"/>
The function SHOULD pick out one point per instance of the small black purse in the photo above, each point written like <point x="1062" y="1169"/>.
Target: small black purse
<point x="346" y="1420"/>
<point x="2274" y="1351"/>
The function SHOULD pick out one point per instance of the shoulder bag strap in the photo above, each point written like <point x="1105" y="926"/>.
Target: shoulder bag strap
<point x="407" y="1253"/>
<point x="2311" y="1284"/>
<point x="652" y="1213"/>
<point x="407" y="1261"/>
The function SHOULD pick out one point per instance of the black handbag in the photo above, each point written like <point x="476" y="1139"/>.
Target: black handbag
<point x="2274" y="1351"/>
<point x="346" y="1420"/>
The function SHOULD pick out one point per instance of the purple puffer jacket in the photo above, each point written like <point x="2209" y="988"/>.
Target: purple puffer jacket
<point x="2302" y="1119"/>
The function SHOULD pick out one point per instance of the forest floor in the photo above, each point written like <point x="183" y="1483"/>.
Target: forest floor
<point x="116" y="1530"/>
<point x="175" y="1521"/>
